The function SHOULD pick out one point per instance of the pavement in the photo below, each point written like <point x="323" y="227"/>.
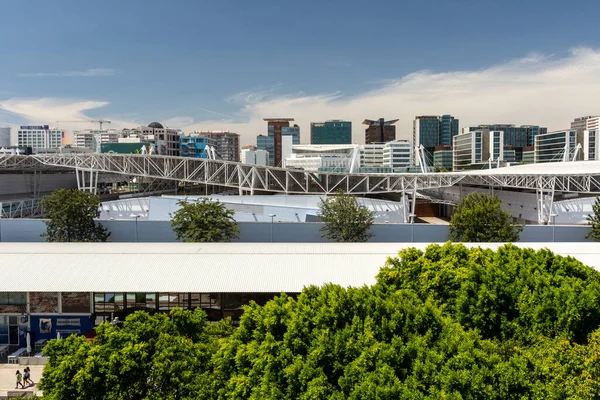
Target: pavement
<point x="7" y="380"/>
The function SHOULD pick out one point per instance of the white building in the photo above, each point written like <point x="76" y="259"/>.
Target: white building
<point x="371" y="155"/>
<point x="286" y="148"/>
<point x="312" y="157"/>
<point x="165" y="140"/>
<point x="40" y="137"/>
<point x="5" y="136"/>
<point x="397" y="154"/>
<point x="252" y="155"/>
<point x="477" y="147"/>
<point x="93" y="138"/>
<point x="591" y="145"/>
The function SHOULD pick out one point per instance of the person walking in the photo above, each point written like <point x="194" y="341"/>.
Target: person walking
<point x="19" y="376"/>
<point x="27" y="376"/>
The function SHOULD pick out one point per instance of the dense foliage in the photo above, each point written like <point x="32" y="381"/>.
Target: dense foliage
<point x="345" y="220"/>
<point x="204" y="220"/>
<point x="480" y="218"/>
<point x="594" y="221"/>
<point x="70" y="217"/>
<point x="447" y="322"/>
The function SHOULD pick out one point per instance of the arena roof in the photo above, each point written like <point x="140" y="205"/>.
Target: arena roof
<point x="554" y="168"/>
<point x="210" y="267"/>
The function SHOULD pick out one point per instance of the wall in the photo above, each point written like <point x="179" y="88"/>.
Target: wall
<point x="16" y="186"/>
<point x="29" y="230"/>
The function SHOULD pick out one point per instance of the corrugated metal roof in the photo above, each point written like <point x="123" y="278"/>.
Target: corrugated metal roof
<point x="211" y="267"/>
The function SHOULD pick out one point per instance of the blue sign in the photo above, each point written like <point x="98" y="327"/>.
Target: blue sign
<point x="35" y="127"/>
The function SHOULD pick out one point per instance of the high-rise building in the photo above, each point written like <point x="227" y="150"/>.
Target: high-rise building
<point x="380" y="131"/>
<point x="590" y="122"/>
<point x="431" y="131"/>
<point x="331" y="132"/>
<point x="591" y="145"/>
<point x="94" y="138"/>
<point x="555" y="146"/>
<point x="477" y="147"/>
<point x="516" y="136"/>
<point x="442" y="158"/>
<point x="275" y="129"/>
<point x="5" y="136"/>
<point x="40" y="137"/>
<point x="227" y="144"/>
<point x="164" y="140"/>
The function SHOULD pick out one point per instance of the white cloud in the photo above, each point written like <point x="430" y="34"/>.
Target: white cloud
<point x="536" y="89"/>
<point x="92" y="72"/>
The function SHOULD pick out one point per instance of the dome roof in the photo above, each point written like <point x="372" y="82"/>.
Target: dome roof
<point x="155" y="125"/>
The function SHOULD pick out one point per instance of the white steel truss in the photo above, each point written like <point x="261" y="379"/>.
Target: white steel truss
<point x="250" y="178"/>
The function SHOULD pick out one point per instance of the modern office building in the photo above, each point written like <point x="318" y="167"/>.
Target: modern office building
<point x="40" y="137"/>
<point x="431" y="131"/>
<point x="581" y="124"/>
<point x="397" y="154"/>
<point x="195" y="146"/>
<point x="93" y="138"/>
<point x="477" y="147"/>
<point x="5" y="136"/>
<point x="272" y="143"/>
<point x="379" y="131"/>
<point x="328" y="157"/>
<point x="331" y="132"/>
<point x="556" y="146"/>
<point x="442" y="158"/>
<point x="227" y="144"/>
<point x="528" y="155"/>
<point x="250" y="154"/>
<point x="591" y="145"/>
<point x="516" y="136"/>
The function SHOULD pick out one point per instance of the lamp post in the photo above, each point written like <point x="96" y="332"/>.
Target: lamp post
<point x="136" y="227"/>
<point x="553" y="216"/>
<point x="412" y="227"/>
<point x="272" y="216"/>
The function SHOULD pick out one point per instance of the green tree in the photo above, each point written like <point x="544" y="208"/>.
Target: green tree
<point x="480" y="218"/>
<point x="345" y="220"/>
<point x="70" y="217"/>
<point x="204" y="221"/>
<point x="594" y="221"/>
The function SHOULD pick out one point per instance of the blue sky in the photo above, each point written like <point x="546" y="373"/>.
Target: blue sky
<point x="216" y="64"/>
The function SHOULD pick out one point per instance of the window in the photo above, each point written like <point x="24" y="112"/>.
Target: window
<point x="43" y="302"/>
<point x="75" y="302"/>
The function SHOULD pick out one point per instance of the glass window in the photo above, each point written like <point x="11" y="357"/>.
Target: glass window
<point x="43" y="302"/>
<point x="75" y="302"/>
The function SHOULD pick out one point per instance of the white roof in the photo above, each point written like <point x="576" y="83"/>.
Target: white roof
<point x="214" y="267"/>
<point x="554" y="168"/>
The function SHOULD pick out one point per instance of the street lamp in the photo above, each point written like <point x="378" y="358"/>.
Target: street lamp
<point x="412" y="227"/>
<point x="553" y="216"/>
<point x="136" y="216"/>
<point x="272" y="216"/>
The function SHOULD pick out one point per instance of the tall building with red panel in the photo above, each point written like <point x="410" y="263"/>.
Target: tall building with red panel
<point x="273" y="140"/>
<point x="380" y="131"/>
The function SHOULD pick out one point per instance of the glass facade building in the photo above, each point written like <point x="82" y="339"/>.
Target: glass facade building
<point x="195" y="146"/>
<point x="431" y="131"/>
<point x="380" y="131"/>
<point x="555" y="146"/>
<point x="477" y="147"/>
<point x="331" y="132"/>
<point x="517" y="137"/>
<point x="591" y="145"/>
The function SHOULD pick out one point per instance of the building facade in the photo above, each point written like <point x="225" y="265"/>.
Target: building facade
<point x="431" y="131"/>
<point x="379" y="131"/>
<point x="94" y="138"/>
<point x="272" y="143"/>
<point x="397" y="154"/>
<point x="195" y="146"/>
<point x="442" y="158"/>
<point x="252" y="155"/>
<point x="477" y="147"/>
<point x="331" y="132"/>
<point x="165" y="140"/>
<point x="227" y="144"/>
<point x="517" y="137"/>
<point x="591" y="145"/>
<point x="5" y="136"/>
<point x="555" y="146"/>
<point x="40" y="137"/>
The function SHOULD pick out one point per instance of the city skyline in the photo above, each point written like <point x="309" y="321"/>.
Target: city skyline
<point x="188" y="77"/>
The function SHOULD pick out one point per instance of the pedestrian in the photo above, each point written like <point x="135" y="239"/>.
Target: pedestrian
<point x="19" y="376"/>
<point x="27" y="376"/>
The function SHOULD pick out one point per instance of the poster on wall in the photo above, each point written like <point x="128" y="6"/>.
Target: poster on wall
<point x="45" y="325"/>
<point x="75" y="302"/>
<point x="43" y="302"/>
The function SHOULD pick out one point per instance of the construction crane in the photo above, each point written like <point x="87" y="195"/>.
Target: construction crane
<point x="99" y="121"/>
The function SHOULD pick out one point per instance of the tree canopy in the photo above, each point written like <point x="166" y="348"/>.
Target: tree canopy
<point x="204" y="220"/>
<point x="594" y="221"/>
<point x="70" y="217"/>
<point x="480" y="218"/>
<point x="448" y="322"/>
<point x="345" y="219"/>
